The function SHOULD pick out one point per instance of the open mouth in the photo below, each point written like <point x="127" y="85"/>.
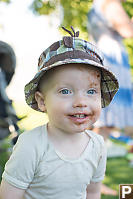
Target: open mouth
<point x="79" y="115"/>
<point x="79" y="118"/>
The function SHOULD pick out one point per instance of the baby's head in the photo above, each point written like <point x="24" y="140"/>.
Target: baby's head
<point x="71" y="74"/>
<point x="71" y="91"/>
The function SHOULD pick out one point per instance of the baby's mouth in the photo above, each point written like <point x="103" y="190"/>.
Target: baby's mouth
<point x="79" y="116"/>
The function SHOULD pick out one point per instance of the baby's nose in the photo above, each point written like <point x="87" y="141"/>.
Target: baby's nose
<point x="80" y="101"/>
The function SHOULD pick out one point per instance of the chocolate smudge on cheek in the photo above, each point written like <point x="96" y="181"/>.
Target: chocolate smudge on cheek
<point x="98" y="76"/>
<point x="93" y="84"/>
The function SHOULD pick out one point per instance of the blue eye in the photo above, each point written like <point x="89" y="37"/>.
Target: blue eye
<point x="91" y="92"/>
<point x="65" y="91"/>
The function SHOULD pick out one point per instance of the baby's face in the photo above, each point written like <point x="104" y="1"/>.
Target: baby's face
<point x="73" y="97"/>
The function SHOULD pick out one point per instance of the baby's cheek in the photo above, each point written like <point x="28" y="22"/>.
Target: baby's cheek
<point x="97" y="113"/>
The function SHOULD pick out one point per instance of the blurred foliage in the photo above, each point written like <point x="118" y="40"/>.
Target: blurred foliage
<point x="5" y="151"/>
<point x="74" y="13"/>
<point x="129" y="45"/>
<point x="6" y="1"/>
<point x="128" y="5"/>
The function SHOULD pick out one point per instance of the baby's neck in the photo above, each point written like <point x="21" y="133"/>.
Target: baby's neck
<point x="62" y="135"/>
<point x="71" y="145"/>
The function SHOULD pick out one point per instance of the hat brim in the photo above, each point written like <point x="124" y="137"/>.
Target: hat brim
<point x="109" y="83"/>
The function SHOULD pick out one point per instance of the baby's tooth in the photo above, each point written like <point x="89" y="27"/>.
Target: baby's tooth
<point x="80" y="116"/>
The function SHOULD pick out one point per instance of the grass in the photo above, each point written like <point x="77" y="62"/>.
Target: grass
<point x="118" y="170"/>
<point x="5" y="147"/>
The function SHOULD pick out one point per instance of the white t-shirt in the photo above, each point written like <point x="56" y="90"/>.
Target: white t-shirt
<point x="45" y="173"/>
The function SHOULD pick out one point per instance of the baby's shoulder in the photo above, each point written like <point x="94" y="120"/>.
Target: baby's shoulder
<point x="97" y="143"/>
<point x="33" y="139"/>
<point x="96" y="138"/>
<point x="35" y="134"/>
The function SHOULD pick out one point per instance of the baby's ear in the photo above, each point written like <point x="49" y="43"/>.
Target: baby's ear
<point x="40" y="101"/>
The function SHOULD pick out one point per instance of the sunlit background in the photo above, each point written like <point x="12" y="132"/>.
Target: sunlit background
<point x="28" y="35"/>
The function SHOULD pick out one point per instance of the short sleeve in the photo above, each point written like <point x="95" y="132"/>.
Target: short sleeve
<point x="101" y="168"/>
<point x="20" y="168"/>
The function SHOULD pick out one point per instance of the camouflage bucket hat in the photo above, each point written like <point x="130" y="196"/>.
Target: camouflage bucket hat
<point x="69" y="50"/>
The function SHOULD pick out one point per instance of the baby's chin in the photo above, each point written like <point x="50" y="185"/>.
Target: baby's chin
<point x="83" y="127"/>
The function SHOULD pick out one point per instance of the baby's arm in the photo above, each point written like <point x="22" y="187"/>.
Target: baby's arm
<point x="7" y="191"/>
<point x="93" y="190"/>
<point x="20" y="168"/>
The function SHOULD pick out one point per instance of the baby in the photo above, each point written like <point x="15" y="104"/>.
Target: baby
<point x="63" y="159"/>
